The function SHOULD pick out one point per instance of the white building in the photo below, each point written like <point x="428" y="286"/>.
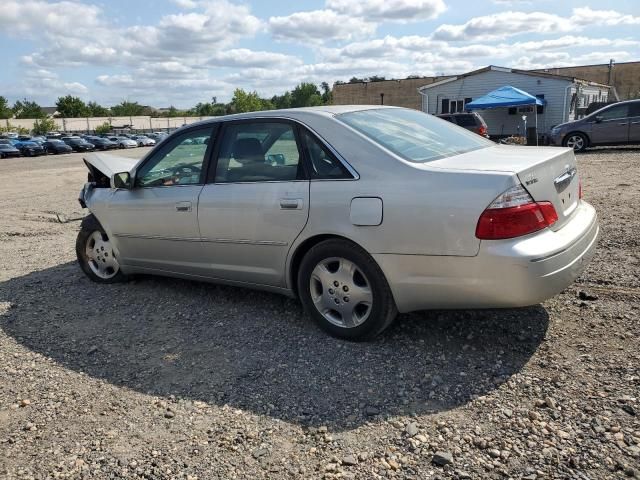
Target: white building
<point x="566" y="97"/>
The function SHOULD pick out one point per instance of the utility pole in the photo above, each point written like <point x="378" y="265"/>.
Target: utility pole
<point x="612" y="62"/>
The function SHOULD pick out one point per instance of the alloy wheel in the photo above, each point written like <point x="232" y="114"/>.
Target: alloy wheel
<point x="341" y="292"/>
<point x="100" y="257"/>
<point x="576" y="142"/>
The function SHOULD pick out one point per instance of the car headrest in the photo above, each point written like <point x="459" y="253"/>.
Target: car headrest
<point x="248" y="150"/>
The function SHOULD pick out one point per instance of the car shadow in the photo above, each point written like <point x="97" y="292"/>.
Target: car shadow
<point x="258" y="351"/>
<point x="613" y="149"/>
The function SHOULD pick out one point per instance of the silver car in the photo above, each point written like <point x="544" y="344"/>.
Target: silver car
<point x="359" y="211"/>
<point x="124" y="142"/>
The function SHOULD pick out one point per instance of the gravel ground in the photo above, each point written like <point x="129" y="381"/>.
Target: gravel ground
<point x="162" y="378"/>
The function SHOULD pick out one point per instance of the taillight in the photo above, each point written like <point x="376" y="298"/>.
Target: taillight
<point x="513" y="214"/>
<point x="482" y="130"/>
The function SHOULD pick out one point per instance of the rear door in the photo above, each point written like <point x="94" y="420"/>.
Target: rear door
<point x="611" y="125"/>
<point x="255" y="203"/>
<point x="634" y="123"/>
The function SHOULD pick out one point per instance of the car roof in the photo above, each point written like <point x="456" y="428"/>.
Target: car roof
<point x="296" y="113"/>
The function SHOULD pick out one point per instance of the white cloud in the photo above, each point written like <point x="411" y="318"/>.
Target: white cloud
<point x="35" y="16"/>
<point x="245" y="58"/>
<point x="389" y="10"/>
<point x="504" y="24"/>
<point x="319" y="26"/>
<point x="186" y="4"/>
<point x="587" y="16"/>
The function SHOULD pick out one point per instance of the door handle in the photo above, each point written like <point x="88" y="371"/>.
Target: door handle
<point x="291" y="203"/>
<point x="634" y="123"/>
<point x="183" y="206"/>
<point x="625" y="123"/>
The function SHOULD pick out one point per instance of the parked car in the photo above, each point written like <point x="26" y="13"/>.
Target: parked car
<point x="409" y="212"/>
<point x="78" y="144"/>
<point x="29" y="149"/>
<point x="471" y="121"/>
<point x="124" y="142"/>
<point x="616" y="124"/>
<point x="8" y="150"/>
<point x="56" y="146"/>
<point x="102" y="143"/>
<point x="143" y="141"/>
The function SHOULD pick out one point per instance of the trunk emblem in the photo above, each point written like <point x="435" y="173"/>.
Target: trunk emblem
<point x="561" y="182"/>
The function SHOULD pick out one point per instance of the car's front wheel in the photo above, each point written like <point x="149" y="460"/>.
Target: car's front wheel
<point x="344" y="290"/>
<point x="577" y="141"/>
<point x="95" y="253"/>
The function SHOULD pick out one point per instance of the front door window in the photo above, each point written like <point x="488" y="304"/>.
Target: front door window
<point x="179" y="162"/>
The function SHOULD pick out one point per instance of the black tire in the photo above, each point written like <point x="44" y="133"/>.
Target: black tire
<point x="382" y="308"/>
<point x="576" y="140"/>
<point x="89" y="226"/>
<point x="121" y="146"/>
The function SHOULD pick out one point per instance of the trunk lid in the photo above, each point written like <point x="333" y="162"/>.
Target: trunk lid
<point x="547" y="173"/>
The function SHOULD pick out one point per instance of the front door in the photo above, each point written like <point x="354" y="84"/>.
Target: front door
<point x="611" y="125"/>
<point x="155" y="224"/>
<point x="256" y="202"/>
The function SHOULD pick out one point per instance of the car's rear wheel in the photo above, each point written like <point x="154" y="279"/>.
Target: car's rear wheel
<point x="577" y="141"/>
<point x="95" y="253"/>
<point x="344" y="290"/>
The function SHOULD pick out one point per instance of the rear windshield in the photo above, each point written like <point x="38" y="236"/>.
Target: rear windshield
<point x="414" y="135"/>
<point x="466" y="120"/>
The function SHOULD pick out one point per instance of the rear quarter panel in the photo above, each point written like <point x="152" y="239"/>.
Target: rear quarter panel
<point x="425" y="211"/>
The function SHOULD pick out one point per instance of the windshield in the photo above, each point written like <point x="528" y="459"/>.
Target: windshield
<point x="414" y="135"/>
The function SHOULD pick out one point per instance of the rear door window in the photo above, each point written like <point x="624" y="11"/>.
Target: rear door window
<point x="323" y="164"/>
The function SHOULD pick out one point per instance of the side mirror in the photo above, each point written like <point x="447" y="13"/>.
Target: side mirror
<point x="598" y="118"/>
<point x="122" y="180"/>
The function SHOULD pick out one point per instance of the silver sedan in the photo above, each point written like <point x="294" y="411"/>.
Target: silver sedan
<point x="360" y="212"/>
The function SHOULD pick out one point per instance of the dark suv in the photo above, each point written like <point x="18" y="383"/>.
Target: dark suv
<point x="616" y="124"/>
<point x="471" y="121"/>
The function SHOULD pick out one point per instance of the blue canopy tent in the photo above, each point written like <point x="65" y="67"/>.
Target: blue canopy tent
<point x="506" y="96"/>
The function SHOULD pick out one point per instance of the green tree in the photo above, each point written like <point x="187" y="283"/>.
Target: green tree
<point x="326" y="93"/>
<point x="44" y="126"/>
<point x="282" y="101"/>
<point x="71" y="107"/>
<point x="246" y="101"/>
<point x="103" y="129"/>
<point x="376" y="78"/>
<point x="5" y="111"/>
<point x="96" y="110"/>
<point x="127" y="109"/>
<point x="11" y="128"/>
<point x="27" y="109"/>
<point x="306" y="95"/>
<point x="356" y="80"/>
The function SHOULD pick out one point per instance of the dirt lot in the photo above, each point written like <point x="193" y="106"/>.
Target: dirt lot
<point x="162" y="378"/>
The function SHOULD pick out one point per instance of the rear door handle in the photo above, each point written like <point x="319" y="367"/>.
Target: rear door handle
<point x="183" y="206"/>
<point x="625" y="123"/>
<point x="291" y="203"/>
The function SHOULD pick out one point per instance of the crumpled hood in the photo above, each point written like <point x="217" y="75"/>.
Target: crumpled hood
<point x="109" y="164"/>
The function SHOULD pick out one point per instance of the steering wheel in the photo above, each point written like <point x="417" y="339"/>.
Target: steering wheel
<point x="185" y="171"/>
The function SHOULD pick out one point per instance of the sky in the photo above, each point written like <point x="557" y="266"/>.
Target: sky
<point x="181" y="52"/>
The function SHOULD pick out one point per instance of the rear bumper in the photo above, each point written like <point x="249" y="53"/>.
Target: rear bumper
<point x="505" y="273"/>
